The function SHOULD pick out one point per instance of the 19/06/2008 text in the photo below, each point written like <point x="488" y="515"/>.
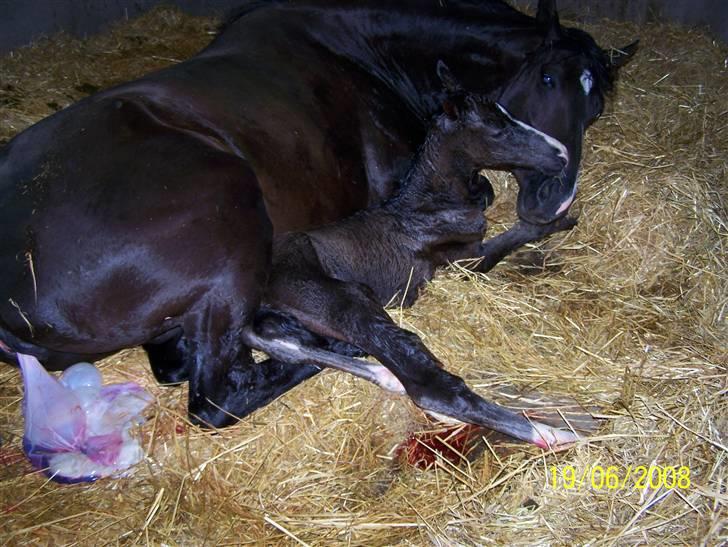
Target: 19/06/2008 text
<point x="615" y="478"/>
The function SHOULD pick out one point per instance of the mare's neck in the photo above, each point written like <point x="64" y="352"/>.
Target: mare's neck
<point x="402" y="48"/>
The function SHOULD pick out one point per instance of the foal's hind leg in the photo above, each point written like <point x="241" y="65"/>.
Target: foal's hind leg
<point x="349" y="312"/>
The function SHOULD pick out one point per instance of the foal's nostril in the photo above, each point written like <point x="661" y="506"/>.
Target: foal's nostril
<point x="553" y="165"/>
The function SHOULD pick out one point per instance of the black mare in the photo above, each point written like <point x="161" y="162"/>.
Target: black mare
<point x="144" y="214"/>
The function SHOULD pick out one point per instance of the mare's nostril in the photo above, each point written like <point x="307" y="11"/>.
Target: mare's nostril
<point x="545" y="191"/>
<point x="489" y="196"/>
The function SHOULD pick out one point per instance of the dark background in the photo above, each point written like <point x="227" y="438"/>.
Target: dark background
<point x="22" y="21"/>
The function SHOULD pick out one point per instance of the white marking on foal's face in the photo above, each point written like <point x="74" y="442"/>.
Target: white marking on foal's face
<point x="289" y="345"/>
<point x="587" y="81"/>
<point x="562" y="151"/>
<point x="568" y="201"/>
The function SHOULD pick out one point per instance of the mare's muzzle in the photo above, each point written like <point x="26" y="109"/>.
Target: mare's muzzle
<point x="543" y="199"/>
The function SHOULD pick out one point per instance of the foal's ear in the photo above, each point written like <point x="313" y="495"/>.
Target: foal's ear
<point x="453" y="89"/>
<point x="547" y="19"/>
<point x="618" y="57"/>
<point x="449" y="82"/>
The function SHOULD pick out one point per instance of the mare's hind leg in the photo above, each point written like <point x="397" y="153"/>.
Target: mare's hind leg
<point x="350" y="312"/>
<point x="169" y="357"/>
<point x="261" y="382"/>
<point x="267" y="380"/>
<point x="264" y="382"/>
<point x="218" y="361"/>
<point x="226" y="384"/>
<point x="220" y="257"/>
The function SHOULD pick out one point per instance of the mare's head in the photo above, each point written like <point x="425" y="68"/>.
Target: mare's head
<point x="560" y="90"/>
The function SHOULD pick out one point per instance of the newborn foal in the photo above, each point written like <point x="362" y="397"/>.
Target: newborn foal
<point x="333" y="281"/>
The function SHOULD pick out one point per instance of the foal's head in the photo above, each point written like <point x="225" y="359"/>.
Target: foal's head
<point x="474" y="132"/>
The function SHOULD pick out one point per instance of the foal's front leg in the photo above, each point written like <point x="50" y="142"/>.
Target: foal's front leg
<point x="495" y="249"/>
<point x="350" y="312"/>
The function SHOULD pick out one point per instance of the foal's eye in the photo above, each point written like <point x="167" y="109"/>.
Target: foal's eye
<point x="547" y="80"/>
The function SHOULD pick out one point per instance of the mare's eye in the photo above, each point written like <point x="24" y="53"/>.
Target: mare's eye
<point x="547" y="80"/>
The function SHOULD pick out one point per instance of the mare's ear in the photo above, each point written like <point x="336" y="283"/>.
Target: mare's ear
<point x="548" y="20"/>
<point x="618" y="57"/>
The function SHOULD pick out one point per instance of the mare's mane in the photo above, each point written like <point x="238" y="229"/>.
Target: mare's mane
<point x="571" y="39"/>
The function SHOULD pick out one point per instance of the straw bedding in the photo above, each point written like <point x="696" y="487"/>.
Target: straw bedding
<point x="625" y="314"/>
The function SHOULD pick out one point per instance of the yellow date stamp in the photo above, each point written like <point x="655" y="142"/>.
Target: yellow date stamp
<point x="638" y="477"/>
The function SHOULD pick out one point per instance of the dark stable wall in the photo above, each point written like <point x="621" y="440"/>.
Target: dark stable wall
<point x="22" y="21"/>
<point x="709" y="14"/>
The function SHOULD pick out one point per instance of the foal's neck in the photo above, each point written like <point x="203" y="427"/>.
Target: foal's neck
<point x="437" y="168"/>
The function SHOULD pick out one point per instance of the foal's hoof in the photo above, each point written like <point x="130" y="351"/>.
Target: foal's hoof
<point x="548" y="437"/>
